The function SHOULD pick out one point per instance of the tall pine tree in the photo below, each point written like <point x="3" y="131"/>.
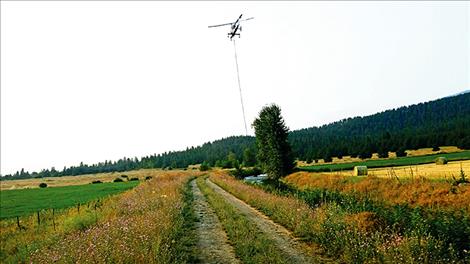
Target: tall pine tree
<point x="274" y="150"/>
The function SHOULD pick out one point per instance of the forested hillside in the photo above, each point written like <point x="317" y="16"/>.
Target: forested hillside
<point x="437" y="123"/>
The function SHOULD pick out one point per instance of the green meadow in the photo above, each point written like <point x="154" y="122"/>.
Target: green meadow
<point x="27" y="201"/>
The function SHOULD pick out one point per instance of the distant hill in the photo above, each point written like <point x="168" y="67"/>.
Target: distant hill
<point x="440" y="122"/>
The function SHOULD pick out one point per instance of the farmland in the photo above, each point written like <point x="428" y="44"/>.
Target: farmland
<point x="429" y="171"/>
<point x="27" y="201"/>
<point x="202" y="217"/>
<point x="414" y="222"/>
<point x="392" y="162"/>
<point x="135" y="226"/>
<point x="75" y="180"/>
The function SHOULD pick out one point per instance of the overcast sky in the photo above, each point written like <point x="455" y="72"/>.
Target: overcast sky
<point x="93" y="81"/>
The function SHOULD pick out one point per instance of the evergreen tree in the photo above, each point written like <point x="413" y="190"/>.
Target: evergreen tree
<point x="274" y="151"/>
<point x="249" y="158"/>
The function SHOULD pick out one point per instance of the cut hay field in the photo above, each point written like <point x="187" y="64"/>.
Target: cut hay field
<point x="375" y="156"/>
<point x="27" y="201"/>
<point x="76" y="180"/>
<point x="391" y="162"/>
<point x="429" y="171"/>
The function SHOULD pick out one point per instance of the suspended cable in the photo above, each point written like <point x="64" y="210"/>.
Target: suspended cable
<point x="240" y="87"/>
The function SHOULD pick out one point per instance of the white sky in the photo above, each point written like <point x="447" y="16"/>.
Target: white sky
<point x="89" y="81"/>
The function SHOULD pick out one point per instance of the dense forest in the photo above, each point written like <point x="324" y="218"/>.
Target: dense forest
<point x="441" y="122"/>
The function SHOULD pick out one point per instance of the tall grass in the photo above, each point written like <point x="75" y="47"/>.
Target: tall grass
<point x="359" y="229"/>
<point x="414" y="193"/>
<point x="147" y="224"/>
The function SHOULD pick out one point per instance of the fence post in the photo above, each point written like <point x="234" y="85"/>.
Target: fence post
<point x="39" y="219"/>
<point x="78" y="208"/>
<point x="18" y="222"/>
<point x="53" y="218"/>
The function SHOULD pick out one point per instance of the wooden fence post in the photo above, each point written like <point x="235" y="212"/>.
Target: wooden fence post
<point x="53" y="218"/>
<point x="39" y="219"/>
<point x="78" y="208"/>
<point x="18" y="222"/>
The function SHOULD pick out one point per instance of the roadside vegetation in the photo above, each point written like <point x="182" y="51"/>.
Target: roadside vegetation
<point x="358" y="228"/>
<point x="417" y="192"/>
<point x="150" y="223"/>
<point x="250" y="245"/>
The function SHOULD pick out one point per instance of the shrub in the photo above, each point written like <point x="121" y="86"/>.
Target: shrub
<point x="148" y="178"/>
<point x="134" y="179"/>
<point x="383" y="154"/>
<point x="366" y="154"/>
<point x="401" y="152"/>
<point x="118" y="180"/>
<point x="42" y="185"/>
<point x="124" y="176"/>
<point x="204" y="167"/>
<point x="97" y="181"/>
<point x="79" y="222"/>
<point x="436" y="148"/>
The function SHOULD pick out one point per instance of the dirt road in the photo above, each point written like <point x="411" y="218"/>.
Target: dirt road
<point x="296" y="251"/>
<point x="212" y="245"/>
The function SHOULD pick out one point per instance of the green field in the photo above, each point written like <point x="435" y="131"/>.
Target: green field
<point x="27" y="201"/>
<point x="402" y="161"/>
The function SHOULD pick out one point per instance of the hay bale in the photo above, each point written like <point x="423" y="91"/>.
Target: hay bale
<point x="441" y="161"/>
<point x="360" y="170"/>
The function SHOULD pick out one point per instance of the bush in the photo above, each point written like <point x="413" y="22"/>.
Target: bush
<point x="204" y="167"/>
<point x="366" y="154"/>
<point x="134" y="179"/>
<point x="79" y="222"/>
<point x="148" y="178"/>
<point x="95" y="182"/>
<point x="118" y="180"/>
<point x="42" y="185"/>
<point x="383" y="154"/>
<point x="124" y="176"/>
<point x="401" y="152"/>
<point x="436" y="148"/>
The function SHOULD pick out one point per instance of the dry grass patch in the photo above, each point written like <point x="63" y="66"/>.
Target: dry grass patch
<point x="375" y="156"/>
<point x="77" y="180"/>
<point x="422" y="192"/>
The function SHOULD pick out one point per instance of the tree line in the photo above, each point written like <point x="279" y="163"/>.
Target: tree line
<point x="436" y="123"/>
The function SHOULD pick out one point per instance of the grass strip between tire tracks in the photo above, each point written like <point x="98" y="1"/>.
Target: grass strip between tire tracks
<point x="250" y="244"/>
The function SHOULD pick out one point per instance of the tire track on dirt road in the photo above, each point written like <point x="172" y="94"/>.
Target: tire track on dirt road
<point x="296" y="251"/>
<point x="212" y="242"/>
